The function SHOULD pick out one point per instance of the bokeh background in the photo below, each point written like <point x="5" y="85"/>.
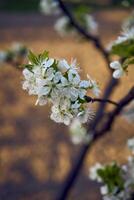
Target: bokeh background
<point x="36" y="154"/>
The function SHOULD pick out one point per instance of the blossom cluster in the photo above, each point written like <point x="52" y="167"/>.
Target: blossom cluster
<point x="58" y="82"/>
<point x="62" y="25"/>
<point x="14" y="54"/>
<point x="117" y="180"/>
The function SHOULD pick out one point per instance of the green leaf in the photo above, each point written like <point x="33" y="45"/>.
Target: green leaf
<point x="28" y="66"/>
<point x="43" y="56"/>
<point x="124" y="49"/>
<point x="127" y="62"/>
<point x="112" y="177"/>
<point x="33" y="59"/>
<point x="80" y="10"/>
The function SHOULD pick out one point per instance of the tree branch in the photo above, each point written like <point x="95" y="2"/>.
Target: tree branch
<point x="95" y="136"/>
<point x="96" y="41"/>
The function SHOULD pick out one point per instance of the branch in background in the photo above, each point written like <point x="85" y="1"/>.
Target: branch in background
<point x="96" y="135"/>
<point x="108" y="91"/>
<point x="96" y="41"/>
<point x="124" y="102"/>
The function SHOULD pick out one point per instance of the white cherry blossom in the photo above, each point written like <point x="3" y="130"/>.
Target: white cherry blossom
<point x="63" y="65"/>
<point x="91" y="24"/>
<point x="62" y="26"/>
<point x="94" y="86"/>
<point x="49" y="7"/>
<point x="119" y="71"/>
<point x="93" y="172"/>
<point x="3" y="56"/>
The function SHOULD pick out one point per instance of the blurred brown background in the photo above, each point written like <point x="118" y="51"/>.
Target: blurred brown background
<point x="36" y="154"/>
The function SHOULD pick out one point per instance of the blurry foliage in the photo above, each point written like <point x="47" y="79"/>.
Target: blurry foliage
<point x="33" y="5"/>
<point x="16" y="5"/>
<point x="124" y="49"/>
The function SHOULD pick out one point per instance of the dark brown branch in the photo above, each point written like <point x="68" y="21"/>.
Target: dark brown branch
<point x="95" y="135"/>
<point x="124" y="102"/>
<point x="95" y="39"/>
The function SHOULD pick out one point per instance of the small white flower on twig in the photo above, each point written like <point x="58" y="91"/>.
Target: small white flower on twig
<point x="119" y="70"/>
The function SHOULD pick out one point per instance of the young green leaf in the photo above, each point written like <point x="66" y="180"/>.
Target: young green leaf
<point x="127" y="62"/>
<point x="43" y="56"/>
<point x="33" y="59"/>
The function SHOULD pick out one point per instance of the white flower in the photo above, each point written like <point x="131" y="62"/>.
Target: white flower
<point x="29" y="83"/>
<point x="94" y="86"/>
<point x="84" y="84"/>
<point x="78" y="132"/>
<point x="60" y="113"/>
<point x="63" y="66"/>
<point x="130" y="144"/>
<point x="85" y="115"/>
<point x="119" y="71"/>
<point x="93" y="172"/>
<point x="127" y="34"/>
<point x="73" y="77"/>
<point x="91" y="24"/>
<point x="104" y="190"/>
<point x="3" y="56"/>
<point x="47" y="63"/>
<point x="49" y="7"/>
<point x="62" y="26"/>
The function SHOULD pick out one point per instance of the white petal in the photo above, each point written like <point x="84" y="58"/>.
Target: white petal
<point x="76" y="80"/>
<point x="74" y="94"/>
<point x="63" y="66"/>
<point x="25" y="85"/>
<point x="64" y="81"/>
<point x="49" y="62"/>
<point x="27" y="74"/>
<point x="44" y="91"/>
<point x="84" y="84"/>
<point x="56" y="117"/>
<point x="76" y="105"/>
<point x="118" y="73"/>
<point x="82" y="93"/>
<point x="104" y="190"/>
<point x="40" y="82"/>
<point x="57" y="77"/>
<point x="115" y="65"/>
<point x="50" y="73"/>
<point x="96" y="91"/>
<point x="67" y="120"/>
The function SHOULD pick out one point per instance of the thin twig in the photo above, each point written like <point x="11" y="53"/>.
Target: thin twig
<point x="92" y="100"/>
